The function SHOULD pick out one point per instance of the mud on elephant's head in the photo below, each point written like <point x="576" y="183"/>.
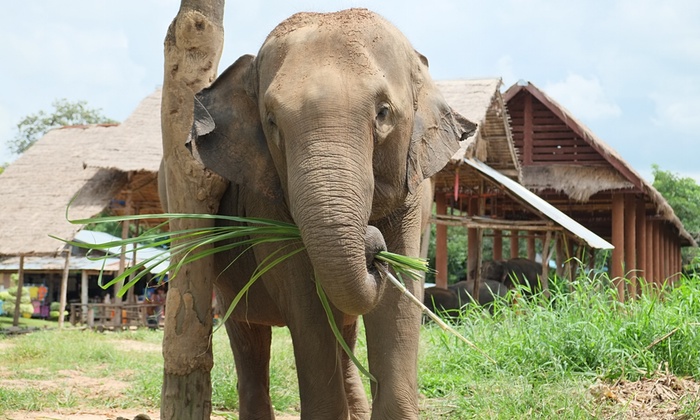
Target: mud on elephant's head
<point x="338" y="118"/>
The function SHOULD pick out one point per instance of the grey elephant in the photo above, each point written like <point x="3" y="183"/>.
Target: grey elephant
<point x="441" y="301"/>
<point x="489" y="291"/>
<point x="334" y="126"/>
<point x="516" y="271"/>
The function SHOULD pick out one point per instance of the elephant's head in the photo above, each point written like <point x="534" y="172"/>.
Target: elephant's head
<point x="337" y="118"/>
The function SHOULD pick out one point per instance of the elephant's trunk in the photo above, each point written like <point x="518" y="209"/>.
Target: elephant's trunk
<point x="330" y="196"/>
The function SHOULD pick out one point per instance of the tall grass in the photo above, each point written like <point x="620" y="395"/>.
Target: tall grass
<point x="547" y="352"/>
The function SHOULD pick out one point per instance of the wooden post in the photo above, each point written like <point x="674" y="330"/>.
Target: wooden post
<point x="479" y="235"/>
<point x="441" y="243"/>
<point x="544" y="279"/>
<point x="531" y="246"/>
<point x="630" y="244"/>
<point x="641" y="245"/>
<point x="20" y="284"/>
<point x="64" y="289"/>
<point x="650" y="267"/>
<point x="514" y="244"/>
<point x="83" y="296"/>
<point x="497" y="245"/>
<point x="559" y="257"/>
<point x="657" y="255"/>
<point x="618" y="240"/>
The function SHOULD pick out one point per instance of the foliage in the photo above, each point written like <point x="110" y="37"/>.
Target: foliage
<point x="65" y="113"/>
<point x="683" y="194"/>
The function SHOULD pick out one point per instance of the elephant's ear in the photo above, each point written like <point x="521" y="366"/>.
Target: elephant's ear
<point x="227" y="136"/>
<point x="437" y="129"/>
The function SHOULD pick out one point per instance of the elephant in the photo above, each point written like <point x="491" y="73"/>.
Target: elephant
<point x="442" y="301"/>
<point x="516" y="271"/>
<point x="335" y="126"/>
<point x="489" y="291"/>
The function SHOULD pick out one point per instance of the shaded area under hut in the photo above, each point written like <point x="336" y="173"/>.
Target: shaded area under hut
<point x="479" y="190"/>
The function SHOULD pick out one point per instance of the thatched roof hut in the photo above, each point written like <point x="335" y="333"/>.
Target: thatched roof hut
<point x="91" y="168"/>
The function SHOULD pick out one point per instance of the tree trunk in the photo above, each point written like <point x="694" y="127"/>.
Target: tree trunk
<point x="192" y="51"/>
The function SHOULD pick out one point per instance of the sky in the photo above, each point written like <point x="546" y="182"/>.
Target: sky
<point x="628" y="69"/>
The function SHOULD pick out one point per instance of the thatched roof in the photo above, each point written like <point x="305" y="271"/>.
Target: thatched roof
<point x="570" y="179"/>
<point x="481" y="102"/>
<point x="92" y="163"/>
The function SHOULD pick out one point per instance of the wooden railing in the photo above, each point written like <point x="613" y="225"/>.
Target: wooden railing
<point x="116" y="315"/>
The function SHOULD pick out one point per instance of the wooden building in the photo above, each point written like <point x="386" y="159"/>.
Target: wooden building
<point x="567" y="165"/>
<point x="480" y="187"/>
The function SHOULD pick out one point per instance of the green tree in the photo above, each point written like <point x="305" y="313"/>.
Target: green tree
<point x="65" y="112"/>
<point x="683" y="194"/>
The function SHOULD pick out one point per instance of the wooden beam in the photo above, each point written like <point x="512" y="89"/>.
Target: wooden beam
<point x="630" y="245"/>
<point x="20" y="284"/>
<point x="618" y="241"/>
<point x="441" y="243"/>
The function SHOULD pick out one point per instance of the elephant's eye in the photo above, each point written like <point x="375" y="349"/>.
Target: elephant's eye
<point x="383" y="113"/>
<point x="383" y="121"/>
<point x="271" y="120"/>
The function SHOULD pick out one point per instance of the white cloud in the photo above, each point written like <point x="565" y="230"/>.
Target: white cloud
<point x="583" y="97"/>
<point x="677" y="106"/>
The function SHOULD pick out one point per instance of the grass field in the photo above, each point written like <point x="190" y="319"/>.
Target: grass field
<point x="580" y="355"/>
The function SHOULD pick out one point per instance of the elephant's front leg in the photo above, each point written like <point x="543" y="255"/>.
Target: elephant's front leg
<point x="354" y="390"/>
<point x="251" y="352"/>
<point x="393" y="328"/>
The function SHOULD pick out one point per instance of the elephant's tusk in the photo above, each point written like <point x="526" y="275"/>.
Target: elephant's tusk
<point x="388" y="276"/>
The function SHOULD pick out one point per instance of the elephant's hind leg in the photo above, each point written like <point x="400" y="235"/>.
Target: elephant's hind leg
<point x="251" y="352"/>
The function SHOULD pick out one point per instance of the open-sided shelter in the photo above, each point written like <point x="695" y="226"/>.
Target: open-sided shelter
<point x="481" y="184"/>
<point x="569" y="166"/>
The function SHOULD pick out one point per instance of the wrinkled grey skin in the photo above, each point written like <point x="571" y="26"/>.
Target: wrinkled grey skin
<point x="334" y="126"/>
<point x="516" y="271"/>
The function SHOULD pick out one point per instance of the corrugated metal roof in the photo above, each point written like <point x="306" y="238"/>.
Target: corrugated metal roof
<point x="541" y="205"/>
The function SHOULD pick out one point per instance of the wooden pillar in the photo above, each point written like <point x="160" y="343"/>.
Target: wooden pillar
<point x="497" y="245"/>
<point x="472" y="252"/>
<point x="657" y="255"/>
<point x="514" y="244"/>
<point x="559" y="258"/>
<point x="83" y="296"/>
<point x="64" y="289"/>
<point x="544" y="278"/>
<point x="441" y="243"/>
<point x="20" y="284"/>
<point x="641" y="244"/>
<point x="667" y="259"/>
<point x="531" y="246"/>
<point x="651" y="278"/>
<point x="618" y="240"/>
<point x="630" y="244"/>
